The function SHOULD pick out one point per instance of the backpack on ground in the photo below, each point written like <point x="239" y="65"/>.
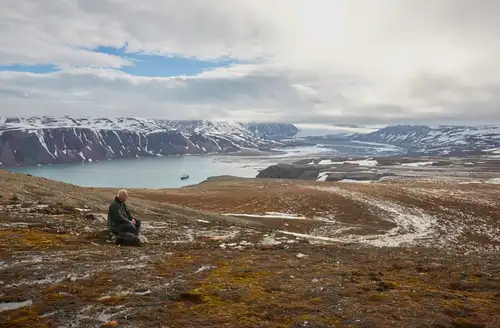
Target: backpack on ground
<point x="127" y="239"/>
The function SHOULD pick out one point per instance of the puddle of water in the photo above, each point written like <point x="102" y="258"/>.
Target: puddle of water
<point x="14" y="305"/>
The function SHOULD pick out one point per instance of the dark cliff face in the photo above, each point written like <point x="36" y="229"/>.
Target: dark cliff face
<point x="313" y="172"/>
<point x="65" y="145"/>
<point x="289" y="171"/>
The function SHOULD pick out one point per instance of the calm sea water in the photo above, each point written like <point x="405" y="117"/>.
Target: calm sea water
<point x="166" y="172"/>
<point x="157" y="172"/>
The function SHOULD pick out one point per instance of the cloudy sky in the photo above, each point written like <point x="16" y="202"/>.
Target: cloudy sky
<point x="301" y="61"/>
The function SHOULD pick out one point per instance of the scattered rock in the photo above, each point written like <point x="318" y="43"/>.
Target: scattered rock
<point x="190" y="297"/>
<point x="71" y="278"/>
<point x="95" y="217"/>
<point x="214" y="238"/>
<point x="14" y="198"/>
<point x="383" y="286"/>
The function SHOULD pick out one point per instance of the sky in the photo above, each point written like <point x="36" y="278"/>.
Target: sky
<point x="298" y="61"/>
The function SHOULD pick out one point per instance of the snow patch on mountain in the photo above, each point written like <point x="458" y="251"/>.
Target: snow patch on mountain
<point x="272" y="130"/>
<point x="136" y="124"/>
<point x="442" y="140"/>
<point x="47" y="140"/>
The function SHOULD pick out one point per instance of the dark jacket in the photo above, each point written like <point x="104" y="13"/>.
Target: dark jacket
<point x="118" y="214"/>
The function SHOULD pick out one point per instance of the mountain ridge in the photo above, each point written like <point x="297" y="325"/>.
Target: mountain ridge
<point x="43" y="140"/>
<point x="436" y="139"/>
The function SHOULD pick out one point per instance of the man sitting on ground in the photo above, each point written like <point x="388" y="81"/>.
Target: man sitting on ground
<point x="119" y="218"/>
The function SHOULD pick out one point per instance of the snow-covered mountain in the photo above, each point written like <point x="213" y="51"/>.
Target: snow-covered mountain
<point x="47" y="140"/>
<point x="273" y="131"/>
<point x="437" y="140"/>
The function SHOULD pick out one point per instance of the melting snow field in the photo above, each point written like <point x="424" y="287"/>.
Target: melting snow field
<point x="361" y="162"/>
<point x="323" y="176"/>
<point x="417" y="164"/>
<point x="14" y="305"/>
<point x="269" y="215"/>
<point x="356" y="181"/>
<point x="412" y="225"/>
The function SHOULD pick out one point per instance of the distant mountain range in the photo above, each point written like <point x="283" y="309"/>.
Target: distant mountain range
<point x="436" y="140"/>
<point x="49" y="140"/>
<point x="274" y="131"/>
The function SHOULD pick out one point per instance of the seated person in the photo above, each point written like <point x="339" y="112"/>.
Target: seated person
<point x="119" y="218"/>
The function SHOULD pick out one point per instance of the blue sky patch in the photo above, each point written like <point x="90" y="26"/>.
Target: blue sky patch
<point x="39" y="69"/>
<point x="143" y="64"/>
<point x="163" y="66"/>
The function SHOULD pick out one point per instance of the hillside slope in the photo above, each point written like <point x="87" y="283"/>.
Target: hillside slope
<point x="252" y="253"/>
<point x="436" y="140"/>
<point x="48" y="140"/>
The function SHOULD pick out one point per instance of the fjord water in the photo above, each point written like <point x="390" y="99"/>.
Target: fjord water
<point x="166" y="172"/>
<point x="154" y="172"/>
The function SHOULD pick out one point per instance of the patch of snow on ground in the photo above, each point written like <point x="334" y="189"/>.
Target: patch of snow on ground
<point x="153" y="225"/>
<point x="412" y="224"/>
<point x="146" y="292"/>
<point x="204" y="268"/>
<point x="493" y="181"/>
<point x="17" y="224"/>
<point x="366" y="162"/>
<point x="270" y="215"/>
<point x="47" y="280"/>
<point x="270" y="240"/>
<point x="14" y="305"/>
<point x="492" y="150"/>
<point x="356" y="181"/>
<point x="304" y="151"/>
<point x="130" y="267"/>
<point x="362" y="162"/>
<point x="417" y="164"/>
<point x="322" y="176"/>
<point x="306" y="236"/>
<point x="329" y="218"/>
<point x="239" y="245"/>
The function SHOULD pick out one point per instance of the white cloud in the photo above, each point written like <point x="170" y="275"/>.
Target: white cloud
<point x="317" y="61"/>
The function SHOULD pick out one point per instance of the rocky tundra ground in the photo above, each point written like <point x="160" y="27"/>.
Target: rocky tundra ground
<point x="253" y="253"/>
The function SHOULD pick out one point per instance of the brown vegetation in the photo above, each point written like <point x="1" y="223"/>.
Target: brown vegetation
<point x="201" y="269"/>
